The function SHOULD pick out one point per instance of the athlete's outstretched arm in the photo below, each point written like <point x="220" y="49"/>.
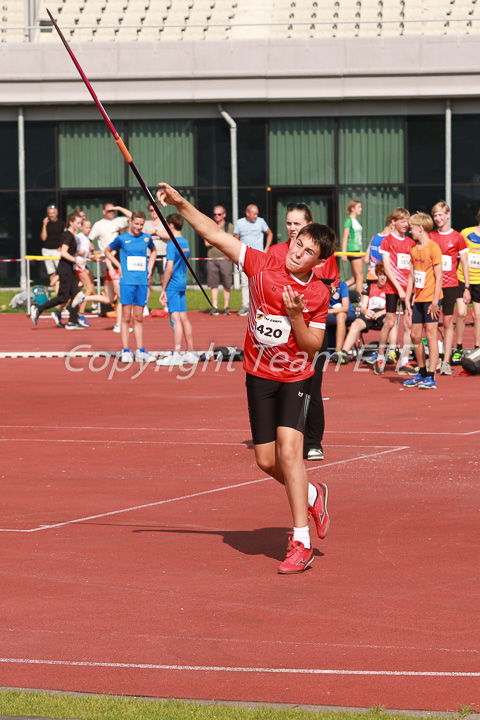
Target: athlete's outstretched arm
<point x="203" y="225"/>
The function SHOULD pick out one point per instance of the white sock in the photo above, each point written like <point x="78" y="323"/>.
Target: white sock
<point x="312" y="495"/>
<point x="380" y="357"/>
<point x="302" y="535"/>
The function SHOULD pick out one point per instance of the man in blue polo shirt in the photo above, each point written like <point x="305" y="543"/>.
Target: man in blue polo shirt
<point x="135" y="268"/>
<point x="250" y="230"/>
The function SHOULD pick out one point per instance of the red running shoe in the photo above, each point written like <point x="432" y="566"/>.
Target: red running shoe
<point x="319" y="511"/>
<point x="297" y="560"/>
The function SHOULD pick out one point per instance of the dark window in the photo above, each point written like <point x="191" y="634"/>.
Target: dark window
<point x="207" y="199"/>
<point x="465" y="205"/>
<point x="9" y="234"/>
<point x="465" y="149"/>
<point x="39" y="156"/>
<point x="426" y="150"/>
<point x="253" y="196"/>
<point x="9" y="164"/>
<point x="251" y="152"/>
<point x="422" y="199"/>
<point x="213" y="153"/>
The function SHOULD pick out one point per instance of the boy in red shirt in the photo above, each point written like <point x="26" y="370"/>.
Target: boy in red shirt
<point x="453" y="246"/>
<point x="395" y="251"/>
<point x="425" y="280"/>
<point x="286" y="325"/>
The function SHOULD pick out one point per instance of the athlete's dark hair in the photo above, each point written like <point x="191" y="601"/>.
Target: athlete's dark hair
<point x="323" y="236"/>
<point x="176" y="220"/>
<point x="302" y="207"/>
<point x="72" y="217"/>
<point x="138" y="214"/>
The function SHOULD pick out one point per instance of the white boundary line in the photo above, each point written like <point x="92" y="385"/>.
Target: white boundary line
<point x="193" y="495"/>
<point x="108" y="441"/>
<point x="216" y="668"/>
<point x="237" y="430"/>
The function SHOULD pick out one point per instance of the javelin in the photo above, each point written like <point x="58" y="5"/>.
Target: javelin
<point x="128" y="158"/>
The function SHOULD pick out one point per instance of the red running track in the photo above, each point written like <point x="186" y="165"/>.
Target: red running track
<point x="141" y="543"/>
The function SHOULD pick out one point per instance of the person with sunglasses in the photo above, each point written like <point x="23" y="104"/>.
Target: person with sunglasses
<point x="219" y="267"/>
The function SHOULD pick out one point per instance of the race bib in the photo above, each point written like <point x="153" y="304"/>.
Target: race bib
<point x="272" y="329"/>
<point x="376" y="303"/>
<point x="474" y="261"/>
<point x="403" y="261"/>
<point x="419" y="278"/>
<point x="446" y="263"/>
<point x="136" y="262"/>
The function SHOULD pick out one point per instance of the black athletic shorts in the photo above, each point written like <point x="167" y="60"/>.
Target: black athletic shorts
<point x="273" y="404"/>
<point x="474" y="291"/>
<point x="372" y="324"/>
<point x="420" y="314"/>
<point x="392" y="303"/>
<point x="450" y="297"/>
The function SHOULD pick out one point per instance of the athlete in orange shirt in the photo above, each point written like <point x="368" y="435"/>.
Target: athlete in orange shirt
<point x="425" y="280"/>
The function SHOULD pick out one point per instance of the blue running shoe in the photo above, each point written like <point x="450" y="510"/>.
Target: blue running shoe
<point x="427" y="383"/>
<point x="82" y="321"/>
<point x="414" y="381"/>
<point x="57" y="318"/>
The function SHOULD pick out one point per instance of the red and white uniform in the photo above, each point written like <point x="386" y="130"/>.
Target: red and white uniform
<point x="270" y="348"/>
<point x="329" y="270"/>
<point x="398" y="251"/>
<point x="377" y="298"/>
<point x="452" y="245"/>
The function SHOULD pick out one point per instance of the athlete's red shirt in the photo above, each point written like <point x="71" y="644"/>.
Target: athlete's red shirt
<point x="376" y="298"/>
<point x="329" y="270"/>
<point x="452" y="245"/>
<point x="270" y="348"/>
<point x="398" y="251"/>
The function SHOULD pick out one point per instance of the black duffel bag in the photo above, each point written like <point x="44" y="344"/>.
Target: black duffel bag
<point x="471" y="362"/>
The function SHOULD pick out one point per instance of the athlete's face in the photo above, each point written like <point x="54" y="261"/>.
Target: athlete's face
<point x="294" y="223"/>
<point x="76" y="224"/>
<point x="381" y="280"/>
<point x="358" y="209"/>
<point x="86" y="227"/>
<point x="441" y="219"/>
<point x="251" y="213"/>
<point x="400" y="226"/>
<point x="302" y="256"/>
<point x="417" y="232"/>
<point x="136" y="226"/>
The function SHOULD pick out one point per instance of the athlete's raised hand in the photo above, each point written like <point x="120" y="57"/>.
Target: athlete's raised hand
<point x="293" y="301"/>
<point x="167" y="195"/>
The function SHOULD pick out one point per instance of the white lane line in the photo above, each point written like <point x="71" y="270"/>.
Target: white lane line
<point x="109" y="441"/>
<point x="216" y="668"/>
<point x="237" y="430"/>
<point x="193" y="495"/>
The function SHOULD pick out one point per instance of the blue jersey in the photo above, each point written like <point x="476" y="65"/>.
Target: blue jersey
<point x="337" y="297"/>
<point x="375" y="255"/>
<point x="179" y="274"/>
<point x="133" y="257"/>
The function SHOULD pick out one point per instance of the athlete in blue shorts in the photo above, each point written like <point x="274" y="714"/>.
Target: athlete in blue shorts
<point x="174" y="291"/>
<point x="135" y="268"/>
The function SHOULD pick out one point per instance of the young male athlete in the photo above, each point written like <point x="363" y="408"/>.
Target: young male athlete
<point x="395" y="251"/>
<point x="135" y="267"/>
<point x="453" y="246"/>
<point x="425" y="280"/>
<point x="174" y="290"/>
<point x="286" y="323"/>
